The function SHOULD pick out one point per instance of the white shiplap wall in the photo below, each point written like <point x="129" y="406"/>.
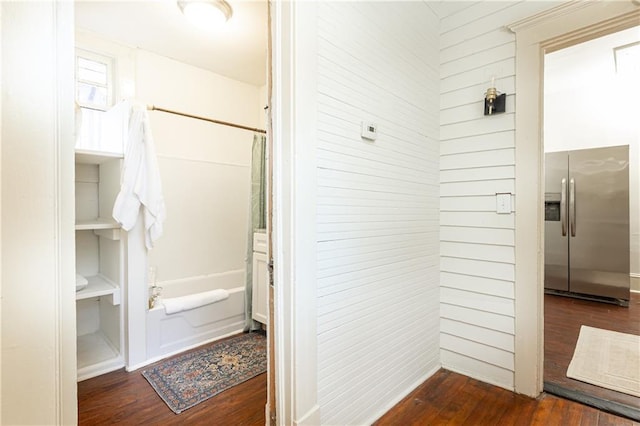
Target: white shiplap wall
<point x="477" y="160"/>
<point x="377" y="206"/>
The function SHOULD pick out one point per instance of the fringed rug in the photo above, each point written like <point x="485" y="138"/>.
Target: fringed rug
<point x="607" y="359"/>
<point x="189" y="379"/>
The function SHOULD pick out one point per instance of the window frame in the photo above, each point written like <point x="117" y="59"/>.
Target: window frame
<point x="109" y="86"/>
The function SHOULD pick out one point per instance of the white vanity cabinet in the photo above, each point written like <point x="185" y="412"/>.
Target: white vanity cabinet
<point x="99" y="258"/>
<point x="260" y="294"/>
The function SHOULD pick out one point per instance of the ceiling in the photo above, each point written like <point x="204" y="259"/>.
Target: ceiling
<point x="588" y="64"/>
<point x="238" y="50"/>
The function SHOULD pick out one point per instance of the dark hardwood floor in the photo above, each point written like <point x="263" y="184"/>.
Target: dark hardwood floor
<point x="453" y="399"/>
<point x="446" y="398"/>
<point x="128" y="399"/>
<point x="563" y="317"/>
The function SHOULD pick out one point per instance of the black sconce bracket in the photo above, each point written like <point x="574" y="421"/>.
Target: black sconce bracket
<point x="498" y="104"/>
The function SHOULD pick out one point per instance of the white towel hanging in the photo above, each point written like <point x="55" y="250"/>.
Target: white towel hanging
<point x="140" y="184"/>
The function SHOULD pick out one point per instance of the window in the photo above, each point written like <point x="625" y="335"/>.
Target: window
<point x="627" y="58"/>
<point x="94" y="80"/>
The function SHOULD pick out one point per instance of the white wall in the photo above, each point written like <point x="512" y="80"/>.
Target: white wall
<point x="377" y="206"/>
<point x="262" y="102"/>
<point x="38" y="303"/>
<point x="205" y="167"/>
<point x="205" y="172"/>
<point x="1" y="37"/>
<point x="572" y="120"/>
<point x="477" y="159"/>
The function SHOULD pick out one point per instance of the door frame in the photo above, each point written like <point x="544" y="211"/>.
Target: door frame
<point x="294" y="58"/>
<point x="41" y="202"/>
<point x="294" y="123"/>
<point x="565" y="25"/>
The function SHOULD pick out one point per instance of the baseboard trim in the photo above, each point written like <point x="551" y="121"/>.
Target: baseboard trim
<point x="150" y="361"/>
<point x="599" y="403"/>
<point x="403" y="395"/>
<point x="311" y="417"/>
<point x="484" y="379"/>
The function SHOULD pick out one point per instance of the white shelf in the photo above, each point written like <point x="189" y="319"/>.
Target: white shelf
<point x="98" y="223"/>
<point x="100" y="342"/>
<point x="110" y="234"/>
<point x="86" y="156"/>
<point x="99" y="286"/>
<point x="96" y="356"/>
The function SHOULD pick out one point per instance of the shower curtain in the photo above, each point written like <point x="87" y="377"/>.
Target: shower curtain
<point x="257" y="219"/>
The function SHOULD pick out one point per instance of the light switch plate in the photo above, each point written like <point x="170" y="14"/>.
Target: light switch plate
<point x="503" y="203"/>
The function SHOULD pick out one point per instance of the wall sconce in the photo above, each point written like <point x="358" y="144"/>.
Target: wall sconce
<point x="494" y="101"/>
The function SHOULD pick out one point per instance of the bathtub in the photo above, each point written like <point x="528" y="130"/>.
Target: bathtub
<point x="174" y="333"/>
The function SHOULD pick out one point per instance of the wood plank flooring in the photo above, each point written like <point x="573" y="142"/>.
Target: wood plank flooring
<point x="446" y="398"/>
<point x="128" y="399"/>
<point x="453" y="399"/>
<point x="563" y="317"/>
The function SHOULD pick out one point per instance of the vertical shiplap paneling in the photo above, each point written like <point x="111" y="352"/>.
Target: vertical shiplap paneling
<point x="377" y="205"/>
<point x="477" y="160"/>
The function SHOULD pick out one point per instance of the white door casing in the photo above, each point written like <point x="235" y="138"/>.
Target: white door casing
<point x="38" y="339"/>
<point x="294" y="210"/>
<point x="570" y="23"/>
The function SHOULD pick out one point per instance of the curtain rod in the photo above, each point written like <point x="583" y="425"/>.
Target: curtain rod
<point x="211" y="120"/>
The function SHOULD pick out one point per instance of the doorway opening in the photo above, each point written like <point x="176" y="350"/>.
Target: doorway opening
<point x="193" y="84"/>
<point x="603" y="265"/>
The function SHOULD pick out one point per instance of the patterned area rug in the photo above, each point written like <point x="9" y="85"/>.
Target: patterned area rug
<point x="194" y="377"/>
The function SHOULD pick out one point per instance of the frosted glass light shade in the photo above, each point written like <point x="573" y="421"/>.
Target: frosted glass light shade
<point x="206" y="14"/>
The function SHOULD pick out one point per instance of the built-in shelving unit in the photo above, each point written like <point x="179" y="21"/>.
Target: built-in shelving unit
<point x="99" y="259"/>
<point x="100" y="286"/>
<point x="95" y="224"/>
<point x="85" y="156"/>
<point x="96" y="355"/>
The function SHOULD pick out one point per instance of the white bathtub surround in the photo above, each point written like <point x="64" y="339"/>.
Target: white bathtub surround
<point x="178" y="304"/>
<point x="201" y="283"/>
<point x="141" y="183"/>
<point x="171" y="333"/>
<point x="205" y="171"/>
<point x="168" y="334"/>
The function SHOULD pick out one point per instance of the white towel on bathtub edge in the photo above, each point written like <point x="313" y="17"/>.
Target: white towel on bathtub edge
<point x="174" y="305"/>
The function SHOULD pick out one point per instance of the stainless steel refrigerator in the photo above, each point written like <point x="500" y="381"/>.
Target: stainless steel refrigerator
<point x="587" y="223"/>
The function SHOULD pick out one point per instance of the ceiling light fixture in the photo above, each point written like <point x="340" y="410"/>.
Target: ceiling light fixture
<point x="206" y="14"/>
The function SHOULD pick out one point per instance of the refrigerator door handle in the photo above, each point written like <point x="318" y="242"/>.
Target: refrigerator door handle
<point x="563" y="206"/>
<point x="572" y="207"/>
